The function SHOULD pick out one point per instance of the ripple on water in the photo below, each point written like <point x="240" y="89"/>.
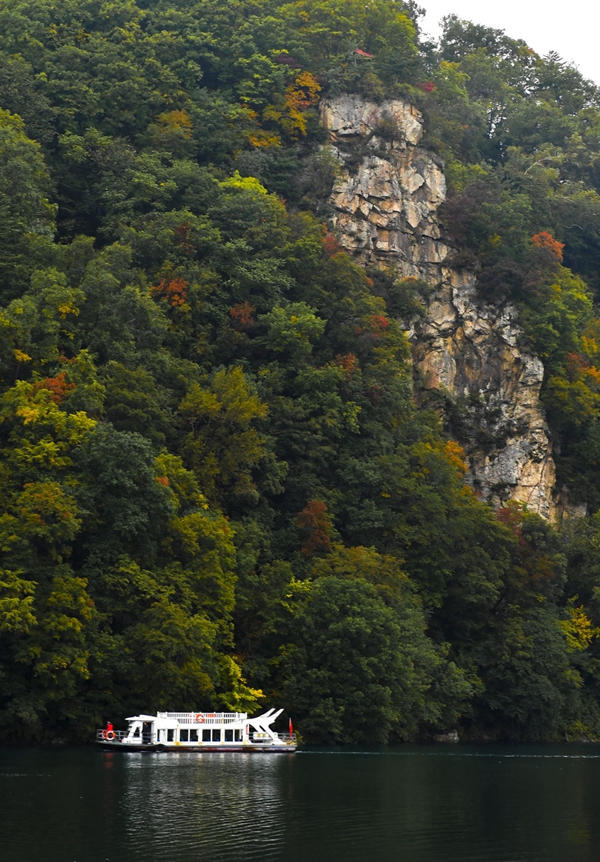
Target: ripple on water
<point x="501" y="804"/>
<point x="226" y="804"/>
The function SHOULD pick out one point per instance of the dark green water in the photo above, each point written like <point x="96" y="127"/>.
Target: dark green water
<point x="408" y="804"/>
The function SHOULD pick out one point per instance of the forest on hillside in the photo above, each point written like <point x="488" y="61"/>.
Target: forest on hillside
<point x="216" y="487"/>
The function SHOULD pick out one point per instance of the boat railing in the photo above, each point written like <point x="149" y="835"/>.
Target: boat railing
<point x="287" y="738"/>
<point x="111" y="735"/>
<point x="203" y="717"/>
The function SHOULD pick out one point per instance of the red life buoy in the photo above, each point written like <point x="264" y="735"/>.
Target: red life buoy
<point x="103" y="734"/>
<point x="199" y="718"/>
<point x="110" y="734"/>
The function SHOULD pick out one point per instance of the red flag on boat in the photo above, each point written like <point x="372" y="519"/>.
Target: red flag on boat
<point x="291" y="726"/>
<point x="363" y="54"/>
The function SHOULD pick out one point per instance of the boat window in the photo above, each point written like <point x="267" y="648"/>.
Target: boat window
<point x="238" y="735"/>
<point x="170" y="735"/>
<point x="206" y="735"/>
<point x="216" y="736"/>
<point x="229" y="736"/>
<point x="159" y="735"/>
<point x="193" y="736"/>
<point x="183" y="735"/>
<point x="136" y="732"/>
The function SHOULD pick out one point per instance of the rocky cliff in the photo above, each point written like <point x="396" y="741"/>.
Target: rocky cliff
<point x="385" y="202"/>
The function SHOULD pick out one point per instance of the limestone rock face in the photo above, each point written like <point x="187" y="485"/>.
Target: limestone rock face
<point x="386" y="207"/>
<point x="385" y="201"/>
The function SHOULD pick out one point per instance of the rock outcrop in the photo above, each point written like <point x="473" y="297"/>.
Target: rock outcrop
<point x="385" y="203"/>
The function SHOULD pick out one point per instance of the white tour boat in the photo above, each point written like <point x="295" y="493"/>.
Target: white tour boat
<point x="199" y="731"/>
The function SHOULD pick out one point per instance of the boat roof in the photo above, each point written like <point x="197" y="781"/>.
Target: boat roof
<point x="220" y="717"/>
<point x="231" y="716"/>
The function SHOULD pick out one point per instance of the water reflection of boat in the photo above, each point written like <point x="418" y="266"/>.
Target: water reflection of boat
<point x="199" y="731"/>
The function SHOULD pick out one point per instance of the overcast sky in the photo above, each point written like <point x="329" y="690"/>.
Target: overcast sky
<point x="572" y="28"/>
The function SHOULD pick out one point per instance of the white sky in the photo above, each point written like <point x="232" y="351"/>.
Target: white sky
<point x="571" y="28"/>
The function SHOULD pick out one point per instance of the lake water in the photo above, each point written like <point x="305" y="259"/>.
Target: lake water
<point x="404" y="804"/>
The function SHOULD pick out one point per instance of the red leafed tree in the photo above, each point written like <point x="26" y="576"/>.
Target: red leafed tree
<point x="182" y="237"/>
<point x="512" y="516"/>
<point x="330" y="245"/>
<point x="58" y="387"/>
<point x="242" y="314"/>
<point x="378" y="323"/>
<point x="314" y="521"/>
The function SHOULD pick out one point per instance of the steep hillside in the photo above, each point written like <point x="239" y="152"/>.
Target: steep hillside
<point x="297" y="328"/>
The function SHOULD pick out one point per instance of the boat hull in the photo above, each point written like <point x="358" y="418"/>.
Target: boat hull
<point x="249" y="748"/>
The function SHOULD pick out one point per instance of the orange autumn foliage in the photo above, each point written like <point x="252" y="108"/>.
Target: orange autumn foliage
<point x="303" y="93"/>
<point x="174" y="291"/>
<point x="58" y="387"/>
<point x="546" y="241"/>
<point x="347" y="361"/>
<point x="579" y="368"/>
<point x="263" y="138"/>
<point x="456" y="455"/>
<point x="288" y="109"/>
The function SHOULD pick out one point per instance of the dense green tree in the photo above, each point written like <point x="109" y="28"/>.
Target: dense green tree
<point x="360" y="667"/>
<point x="26" y="215"/>
<point x="216" y="485"/>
